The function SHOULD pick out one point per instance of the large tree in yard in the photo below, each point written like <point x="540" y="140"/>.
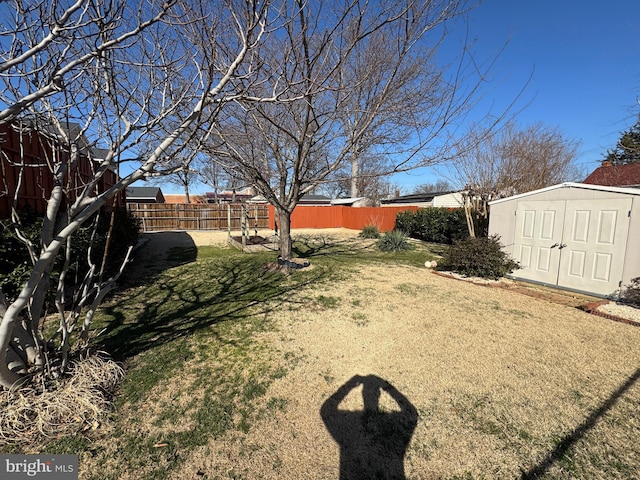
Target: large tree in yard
<point x="119" y="72"/>
<point x="360" y="81"/>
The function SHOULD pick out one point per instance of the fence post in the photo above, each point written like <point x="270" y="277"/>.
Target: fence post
<point x="243" y="226"/>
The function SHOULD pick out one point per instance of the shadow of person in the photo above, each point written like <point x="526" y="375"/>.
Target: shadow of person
<point x="372" y="442"/>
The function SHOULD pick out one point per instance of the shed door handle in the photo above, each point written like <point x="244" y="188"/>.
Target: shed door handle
<point x="562" y="246"/>
<point x="554" y="245"/>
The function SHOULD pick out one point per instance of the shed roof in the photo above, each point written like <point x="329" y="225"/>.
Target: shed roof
<point x="585" y="186"/>
<point x="346" y="201"/>
<point x="143" y="192"/>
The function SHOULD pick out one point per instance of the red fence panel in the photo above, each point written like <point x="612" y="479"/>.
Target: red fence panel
<point x="356" y="218"/>
<point x="382" y="217"/>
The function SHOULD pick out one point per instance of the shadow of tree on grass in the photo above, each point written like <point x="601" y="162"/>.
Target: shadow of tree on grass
<point x="182" y="301"/>
<point x="161" y="251"/>
<point x="564" y="446"/>
<point x="310" y="246"/>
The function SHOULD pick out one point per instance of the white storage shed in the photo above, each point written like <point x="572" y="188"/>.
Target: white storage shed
<point x="573" y="235"/>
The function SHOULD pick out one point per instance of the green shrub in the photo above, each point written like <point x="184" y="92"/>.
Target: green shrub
<point x="405" y="221"/>
<point x="370" y="231"/>
<point x="478" y="257"/>
<point x="394" y="241"/>
<point x="437" y="225"/>
<point x="631" y="293"/>
<point x="15" y="264"/>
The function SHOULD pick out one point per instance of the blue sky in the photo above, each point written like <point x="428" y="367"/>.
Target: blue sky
<point x="582" y="61"/>
<point x="585" y="60"/>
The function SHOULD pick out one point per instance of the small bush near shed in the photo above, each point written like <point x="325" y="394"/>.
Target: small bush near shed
<point x="631" y="293"/>
<point x="478" y="257"/>
<point x="394" y="241"/>
<point x="370" y="231"/>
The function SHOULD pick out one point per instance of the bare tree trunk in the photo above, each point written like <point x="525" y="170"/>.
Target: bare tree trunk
<point x="355" y="170"/>
<point x="286" y="244"/>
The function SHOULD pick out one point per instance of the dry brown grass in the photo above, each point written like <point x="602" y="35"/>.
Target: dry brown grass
<point x="78" y="402"/>
<point x="499" y="379"/>
<point x="505" y="385"/>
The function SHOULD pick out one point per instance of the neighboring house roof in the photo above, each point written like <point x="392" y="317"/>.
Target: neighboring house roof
<point x="145" y="194"/>
<point x="615" y="175"/>
<point x="585" y="186"/>
<point x="353" y="201"/>
<point x="74" y="132"/>
<point x="453" y="199"/>
<point x="309" y="199"/>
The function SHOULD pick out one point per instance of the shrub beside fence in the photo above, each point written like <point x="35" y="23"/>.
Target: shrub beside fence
<point x="438" y="225"/>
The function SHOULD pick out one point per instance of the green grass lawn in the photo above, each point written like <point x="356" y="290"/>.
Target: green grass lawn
<point x="193" y="340"/>
<point x="203" y="319"/>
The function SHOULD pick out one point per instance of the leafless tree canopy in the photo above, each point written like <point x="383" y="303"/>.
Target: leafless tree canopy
<point x="138" y="79"/>
<point x="516" y="160"/>
<point x="283" y="94"/>
<point x="354" y="81"/>
<point x="509" y="162"/>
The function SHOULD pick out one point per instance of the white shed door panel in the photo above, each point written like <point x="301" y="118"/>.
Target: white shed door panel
<point x="576" y="244"/>
<point x="539" y="226"/>
<point x="595" y="236"/>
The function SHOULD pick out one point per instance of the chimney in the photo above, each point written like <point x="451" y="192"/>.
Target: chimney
<point x="606" y="163"/>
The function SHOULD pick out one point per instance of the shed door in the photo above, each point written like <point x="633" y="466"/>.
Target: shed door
<point x="595" y="236"/>
<point x="539" y="227"/>
<point x="577" y="244"/>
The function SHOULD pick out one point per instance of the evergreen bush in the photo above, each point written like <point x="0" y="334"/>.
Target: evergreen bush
<point x="437" y="225"/>
<point x="478" y="257"/>
<point x="15" y="264"/>
<point x="631" y="293"/>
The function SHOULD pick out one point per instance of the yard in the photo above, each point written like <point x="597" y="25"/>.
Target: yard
<point x="230" y="362"/>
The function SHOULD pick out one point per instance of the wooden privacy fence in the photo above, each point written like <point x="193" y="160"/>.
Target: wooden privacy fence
<point x="164" y="216"/>
<point x="355" y="218"/>
<point x="156" y="217"/>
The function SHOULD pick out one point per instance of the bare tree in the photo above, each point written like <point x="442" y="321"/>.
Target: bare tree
<point x="371" y="182"/>
<point x="511" y="161"/>
<point x="437" y="187"/>
<point x="361" y="80"/>
<point x="121" y="71"/>
<point x="211" y="173"/>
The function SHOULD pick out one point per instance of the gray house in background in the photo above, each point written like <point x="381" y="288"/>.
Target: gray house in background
<point x="144" y="195"/>
<point x="573" y="235"/>
<point x="425" y="200"/>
